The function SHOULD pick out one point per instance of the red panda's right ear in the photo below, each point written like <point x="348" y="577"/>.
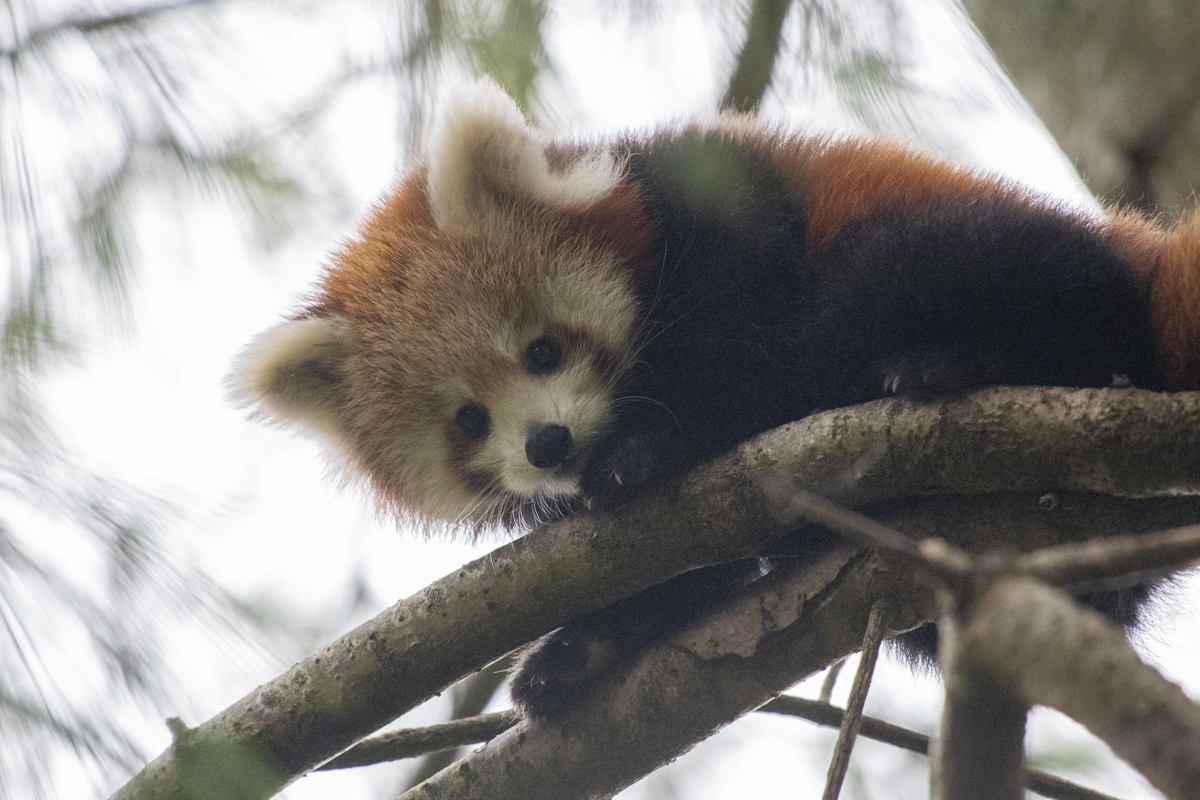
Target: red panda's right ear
<point x="484" y="154"/>
<point x="295" y="373"/>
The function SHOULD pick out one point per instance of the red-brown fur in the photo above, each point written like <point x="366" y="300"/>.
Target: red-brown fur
<point x="696" y="287"/>
<point x="389" y="281"/>
<point x="1175" y="303"/>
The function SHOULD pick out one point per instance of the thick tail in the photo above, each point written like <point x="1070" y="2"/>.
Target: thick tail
<point x="1175" y="303"/>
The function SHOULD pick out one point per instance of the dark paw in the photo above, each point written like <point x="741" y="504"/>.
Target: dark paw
<point x="564" y="665"/>
<point x="555" y="671"/>
<point x="619" y="467"/>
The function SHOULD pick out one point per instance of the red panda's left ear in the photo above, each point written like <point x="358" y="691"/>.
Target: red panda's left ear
<point x="484" y="155"/>
<point x="295" y="373"/>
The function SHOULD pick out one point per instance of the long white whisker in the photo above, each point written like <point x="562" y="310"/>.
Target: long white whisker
<point x="652" y="401"/>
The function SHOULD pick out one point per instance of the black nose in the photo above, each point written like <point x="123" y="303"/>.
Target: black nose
<point x="548" y="446"/>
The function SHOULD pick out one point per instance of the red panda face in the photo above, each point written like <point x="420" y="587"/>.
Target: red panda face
<point x="484" y="378"/>
<point x="465" y="348"/>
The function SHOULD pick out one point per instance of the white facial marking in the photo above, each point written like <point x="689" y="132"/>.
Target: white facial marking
<point x="573" y="397"/>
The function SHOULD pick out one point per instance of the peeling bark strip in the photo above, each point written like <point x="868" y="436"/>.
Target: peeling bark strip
<point x="1124" y="442"/>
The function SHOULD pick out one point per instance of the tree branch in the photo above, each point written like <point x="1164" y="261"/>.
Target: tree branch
<point x="756" y="61"/>
<point x="1056" y="653"/>
<point x="421" y="741"/>
<point x="873" y="728"/>
<point x="1126" y="443"/>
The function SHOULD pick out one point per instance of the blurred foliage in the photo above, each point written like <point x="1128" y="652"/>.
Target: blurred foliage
<point x="103" y="101"/>
<point x="94" y="107"/>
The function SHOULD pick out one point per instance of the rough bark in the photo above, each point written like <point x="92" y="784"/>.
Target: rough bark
<point x="1053" y="652"/>
<point x="1124" y="443"/>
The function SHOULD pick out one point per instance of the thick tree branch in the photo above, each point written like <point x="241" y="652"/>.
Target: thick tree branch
<point x="1054" y="652"/>
<point x="979" y="753"/>
<point x="688" y="686"/>
<point x="1126" y="443"/>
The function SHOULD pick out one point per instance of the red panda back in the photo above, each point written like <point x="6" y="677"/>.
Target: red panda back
<point x="1175" y="303"/>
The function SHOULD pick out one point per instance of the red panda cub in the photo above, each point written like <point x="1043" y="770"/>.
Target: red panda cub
<point x="528" y="327"/>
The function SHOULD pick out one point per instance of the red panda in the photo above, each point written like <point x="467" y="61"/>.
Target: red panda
<point x="528" y="326"/>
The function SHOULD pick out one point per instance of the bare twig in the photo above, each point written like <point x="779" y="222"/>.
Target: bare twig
<point x="873" y="728"/>
<point x="411" y="742"/>
<point x="937" y="556"/>
<point x="469" y="696"/>
<point x="830" y="680"/>
<point x="881" y="612"/>
<point x="1114" y="561"/>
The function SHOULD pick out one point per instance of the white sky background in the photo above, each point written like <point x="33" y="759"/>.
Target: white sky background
<point x="267" y="521"/>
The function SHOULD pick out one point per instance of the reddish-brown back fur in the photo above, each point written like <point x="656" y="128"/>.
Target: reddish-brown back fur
<point x="841" y="181"/>
<point x="1175" y="303"/>
<point x="849" y="179"/>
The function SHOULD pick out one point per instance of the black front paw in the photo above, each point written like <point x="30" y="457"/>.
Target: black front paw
<point x="563" y="665"/>
<point x="556" y="670"/>
<point x="621" y="465"/>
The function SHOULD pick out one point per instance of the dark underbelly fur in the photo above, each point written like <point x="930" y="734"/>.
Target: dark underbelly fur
<point x="753" y="328"/>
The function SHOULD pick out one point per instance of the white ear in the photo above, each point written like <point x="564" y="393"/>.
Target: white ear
<point x="295" y="373"/>
<point x="483" y="150"/>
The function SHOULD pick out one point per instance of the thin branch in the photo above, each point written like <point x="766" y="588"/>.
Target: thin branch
<point x="411" y="742"/>
<point x="830" y="680"/>
<point x="1113" y="562"/>
<point x="876" y="729"/>
<point x="881" y="612"/>
<point x="938" y="557"/>
<point x="469" y="697"/>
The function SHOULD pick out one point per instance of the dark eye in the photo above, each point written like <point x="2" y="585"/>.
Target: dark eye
<point x="472" y="420"/>
<point x="543" y="355"/>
